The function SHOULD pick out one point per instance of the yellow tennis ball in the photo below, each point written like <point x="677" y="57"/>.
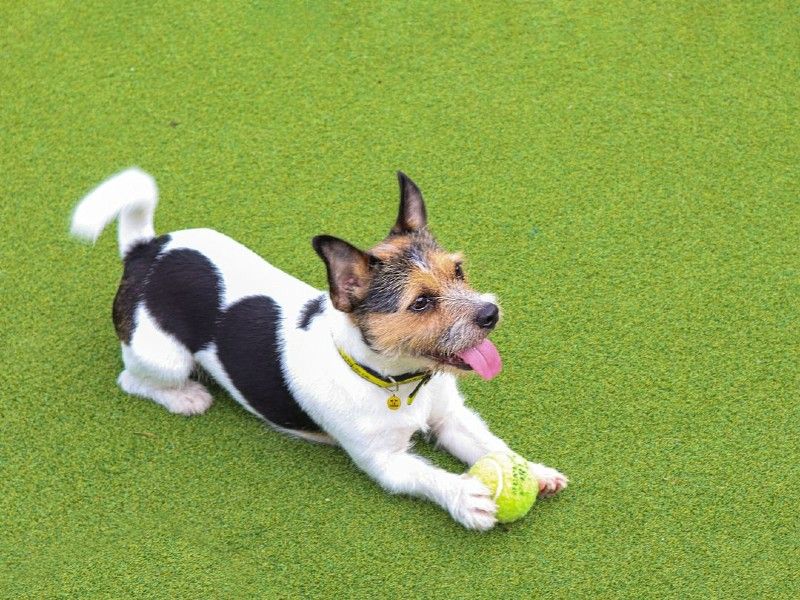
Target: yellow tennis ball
<point x="510" y="482"/>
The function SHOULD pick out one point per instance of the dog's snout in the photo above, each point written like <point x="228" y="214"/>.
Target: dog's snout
<point x="487" y="316"/>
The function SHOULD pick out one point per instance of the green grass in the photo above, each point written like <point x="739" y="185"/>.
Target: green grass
<point x="624" y="175"/>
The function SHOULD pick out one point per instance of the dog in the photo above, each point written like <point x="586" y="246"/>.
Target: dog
<point x="365" y="365"/>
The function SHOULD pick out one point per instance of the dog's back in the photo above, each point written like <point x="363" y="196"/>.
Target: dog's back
<point x="193" y="297"/>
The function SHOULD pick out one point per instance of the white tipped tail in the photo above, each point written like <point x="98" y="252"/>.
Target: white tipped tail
<point x="132" y="195"/>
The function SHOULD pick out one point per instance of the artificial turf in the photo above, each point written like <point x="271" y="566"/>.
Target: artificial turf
<point x="623" y="175"/>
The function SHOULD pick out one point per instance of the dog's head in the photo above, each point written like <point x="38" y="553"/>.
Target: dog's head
<point x="409" y="297"/>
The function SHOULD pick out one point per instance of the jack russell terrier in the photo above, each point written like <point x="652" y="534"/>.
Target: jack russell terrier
<point x="364" y="366"/>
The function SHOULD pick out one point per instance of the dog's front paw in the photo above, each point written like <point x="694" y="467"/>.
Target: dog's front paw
<point x="472" y="504"/>
<point x="550" y="481"/>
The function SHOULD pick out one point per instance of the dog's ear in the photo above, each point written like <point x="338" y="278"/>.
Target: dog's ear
<point x="349" y="272"/>
<point x="412" y="215"/>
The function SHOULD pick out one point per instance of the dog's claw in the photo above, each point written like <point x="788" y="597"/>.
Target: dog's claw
<point x="550" y="481"/>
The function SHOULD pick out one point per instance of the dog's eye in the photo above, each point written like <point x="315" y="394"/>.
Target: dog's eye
<point x="459" y="271"/>
<point x="422" y="303"/>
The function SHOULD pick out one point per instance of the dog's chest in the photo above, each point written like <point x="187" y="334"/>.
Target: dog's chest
<point x="350" y="408"/>
<point x="393" y="413"/>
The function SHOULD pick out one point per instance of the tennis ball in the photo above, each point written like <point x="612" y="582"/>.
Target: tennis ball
<point x="510" y="482"/>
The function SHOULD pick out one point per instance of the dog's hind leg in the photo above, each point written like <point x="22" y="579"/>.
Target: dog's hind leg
<point x="190" y="398"/>
<point x="157" y="367"/>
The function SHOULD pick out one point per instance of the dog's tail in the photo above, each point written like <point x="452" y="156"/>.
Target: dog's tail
<point x="132" y="195"/>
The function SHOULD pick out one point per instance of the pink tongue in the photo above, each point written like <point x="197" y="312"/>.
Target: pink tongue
<point x="483" y="358"/>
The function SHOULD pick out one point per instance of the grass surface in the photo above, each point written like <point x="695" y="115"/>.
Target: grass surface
<point x="625" y="177"/>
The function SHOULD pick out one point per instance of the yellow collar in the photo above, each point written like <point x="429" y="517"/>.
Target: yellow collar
<point x="390" y="384"/>
<point x="373" y="377"/>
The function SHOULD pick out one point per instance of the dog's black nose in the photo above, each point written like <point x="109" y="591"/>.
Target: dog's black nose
<point x="487" y="316"/>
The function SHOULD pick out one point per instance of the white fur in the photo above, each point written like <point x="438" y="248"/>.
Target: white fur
<point x="132" y="195"/>
<point x="190" y="398"/>
<point x="352" y="411"/>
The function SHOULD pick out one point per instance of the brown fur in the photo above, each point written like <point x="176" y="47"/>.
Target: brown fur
<point x="124" y="305"/>
<point x="379" y="288"/>
<point x="391" y="247"/>
<point x="423" y="333"/>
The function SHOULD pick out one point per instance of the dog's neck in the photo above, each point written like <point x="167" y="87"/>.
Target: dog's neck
<point x="348" y="337"/>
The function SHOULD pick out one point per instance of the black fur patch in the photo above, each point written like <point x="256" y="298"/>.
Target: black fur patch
<point x="311" y="309"/>
<point x="248" y="348"/>
<point x="391" y="276"/>
<point x="137" y="264"/>
<point x="184" y="294"/>
<point x="383" y="295"/>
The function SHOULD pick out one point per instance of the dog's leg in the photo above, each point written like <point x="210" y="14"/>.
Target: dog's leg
<point x="157" y="367"/>
<point x="464" y="435"/>
<point x="466" y="499"/>
<point x="188" y="398"/>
